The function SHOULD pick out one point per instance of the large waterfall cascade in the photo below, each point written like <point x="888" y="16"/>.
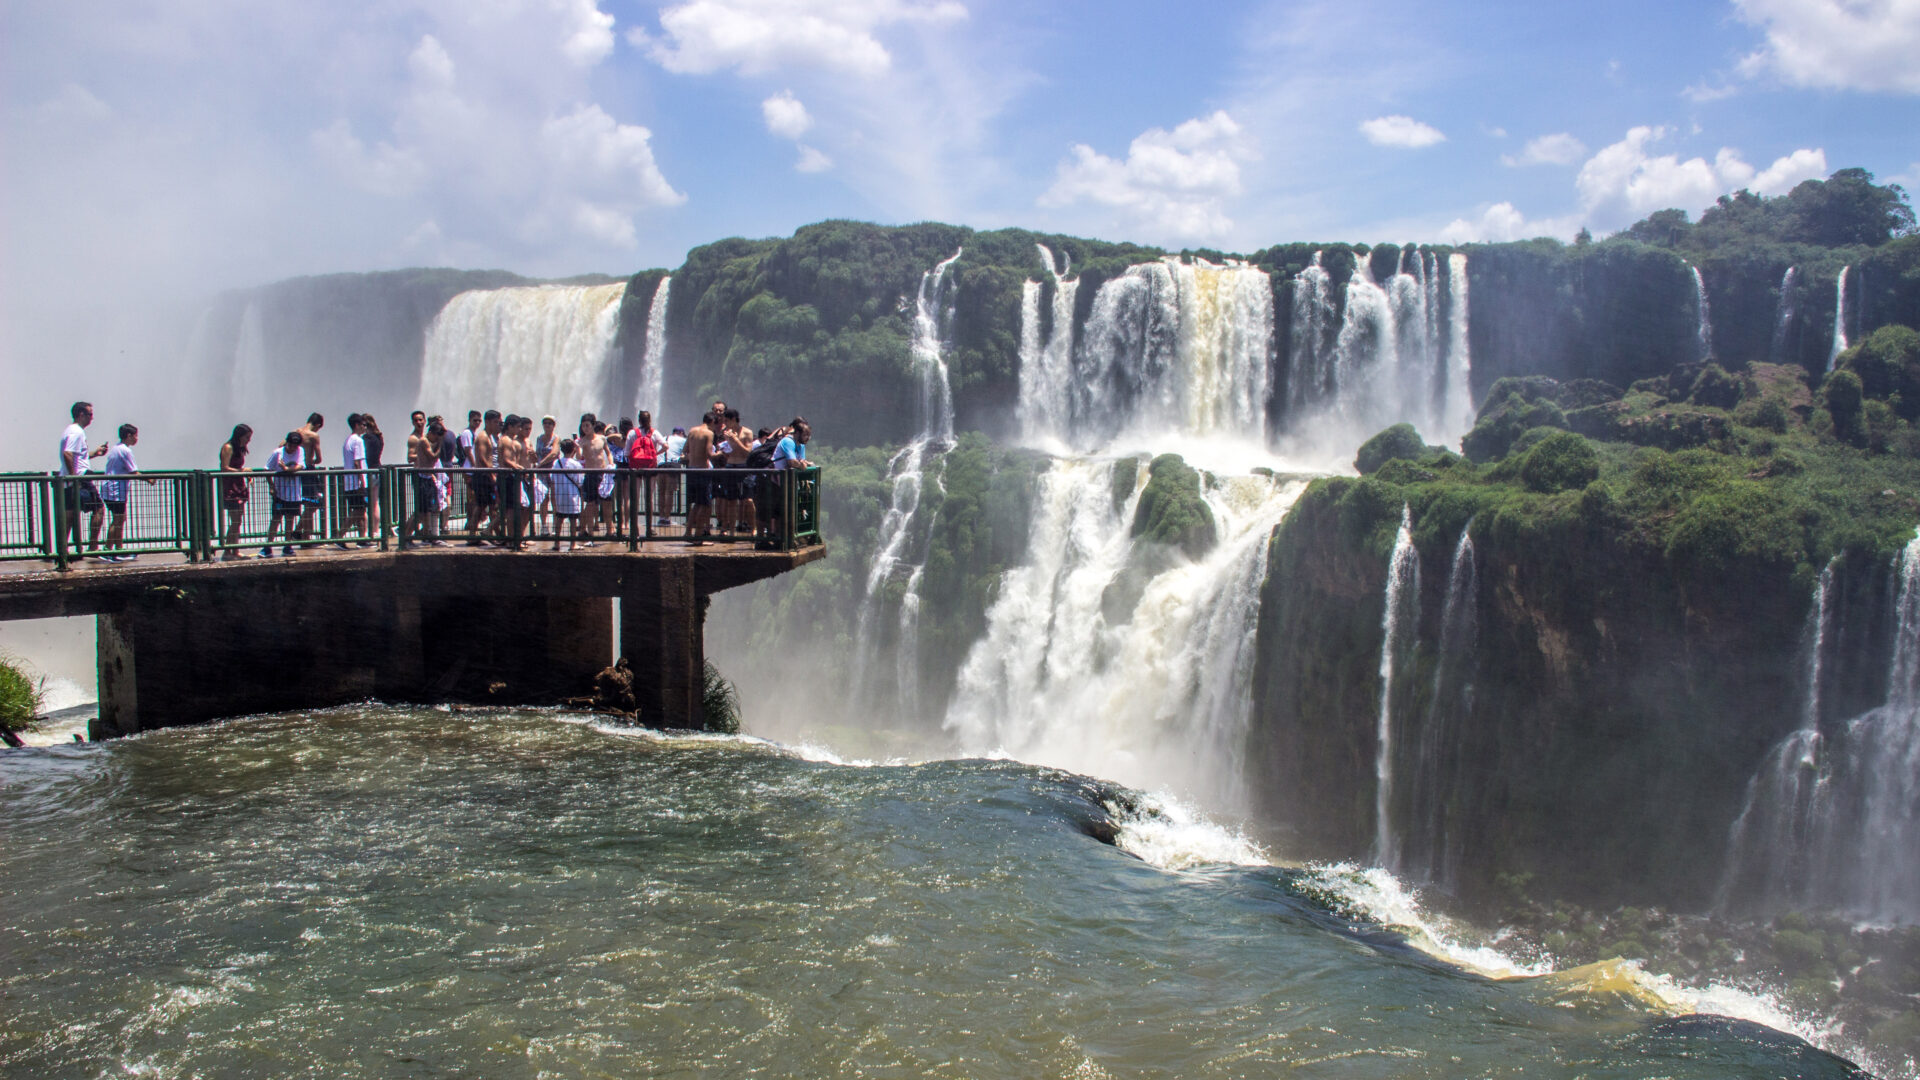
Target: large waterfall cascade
<point x="532" y="349"/>
<point x="1399" y="353"/>
<point x="1403" y="591"/>
<point x="1785" y="312"/>
<point x="1839" y="317"/>
<point x="1116" y="657"/>
<point x="1046" y="366"/>
<point x="1703" y="335"/>
<point x="902" y="528"/>
<point x="1832" y="817"/>
<point x="1431" y="850"/>
<point x="653" y="363"/>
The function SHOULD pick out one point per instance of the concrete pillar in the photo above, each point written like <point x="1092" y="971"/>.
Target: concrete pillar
<point x="662" y="622"/>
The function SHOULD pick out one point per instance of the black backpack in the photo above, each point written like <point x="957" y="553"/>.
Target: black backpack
<point x="761" y="457"/>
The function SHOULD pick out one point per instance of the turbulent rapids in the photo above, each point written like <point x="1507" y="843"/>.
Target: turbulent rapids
<point x="385" y="891"/>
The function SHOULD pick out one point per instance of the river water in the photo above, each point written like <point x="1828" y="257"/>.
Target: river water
<point x="402" y="892"/>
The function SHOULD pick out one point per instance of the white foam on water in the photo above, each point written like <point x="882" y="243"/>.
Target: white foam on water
<point x="1165" y="832"/>
<point x="1387" y="900"/>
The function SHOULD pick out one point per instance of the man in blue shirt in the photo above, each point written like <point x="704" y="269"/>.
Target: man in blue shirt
<point x="113" y="492"/>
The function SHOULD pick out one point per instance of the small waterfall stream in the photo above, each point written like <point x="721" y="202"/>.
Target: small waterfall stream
<point x="1434" y="852"/>
<point x="653" y="363"/>
<point x="1784" y="314"/>
<point x="1703" y="335"/>
<point x="1403" y="591"/>
<point x="1046" y="366"/>
<point x="1839" y="317"/>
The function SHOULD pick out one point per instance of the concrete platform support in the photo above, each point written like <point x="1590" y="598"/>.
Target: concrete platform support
<point x="182" y="657"/>
<point x="662" y="630"/>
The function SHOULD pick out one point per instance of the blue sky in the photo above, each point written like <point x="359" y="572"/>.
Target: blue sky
<point x="208" y="143"/>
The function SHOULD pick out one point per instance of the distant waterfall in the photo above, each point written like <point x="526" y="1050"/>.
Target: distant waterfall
<point x="545" y="349"/>
<point x="1833" y="816"/>
<point x="1403" y="588"/>
<point x="653" y="363"/>
<point x="1046" y="367"/>
<point x="1839" y="318"/>
<point x="1784" y="315"/>
<point x="1437" y="763"/>
<point x="248" y="394"/>
<point x="1400" y="353"/>
<point x="1172" y="345"/>
<point x="1117" y="658"/>
<point x="902" y="528"/>
<point x="1703" y="335"/>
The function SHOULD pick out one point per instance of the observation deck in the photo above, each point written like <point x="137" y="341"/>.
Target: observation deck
<point x="192" y="631"/>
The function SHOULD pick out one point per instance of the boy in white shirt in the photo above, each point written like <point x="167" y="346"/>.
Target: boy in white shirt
<point x="114" y="492"/>
<point x="289" y="503"/>
<point x="79" y="496"/>
<point x="353" y="455"/>
<point x="567" y="480"/>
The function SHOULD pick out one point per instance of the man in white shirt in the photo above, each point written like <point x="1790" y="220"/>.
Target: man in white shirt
<point x="284" y="465"/>
<point x="353" y="456"/>
<point x="78" y="497"/>
<point x="114" y="492"/>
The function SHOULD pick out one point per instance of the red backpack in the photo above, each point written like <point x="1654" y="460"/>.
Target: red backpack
<point x="642" y="451"/>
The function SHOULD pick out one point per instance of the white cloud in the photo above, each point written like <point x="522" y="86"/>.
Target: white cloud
<point x="588" y="31"/>
<point x="812" y="161"/>
<point x="1559" y="149"/>
<point x="1401" y="131"/>
<point x="1502" y="222"/>
<point x="1624" y="182"/>
<point x="384" y="170"/>
<point x="1837" y="44"/>
<point x="1700" y="93"/>
<point x="785" y="115"/>
<point x="74" y="104"/>
<point x="612" y="160"/>
<point x="1174" y="183"/>
<point x="756" y="37"/>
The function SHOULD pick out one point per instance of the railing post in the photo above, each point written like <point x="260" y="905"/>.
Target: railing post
<point x="60" y="495"/>
<point x="378" y="483"/>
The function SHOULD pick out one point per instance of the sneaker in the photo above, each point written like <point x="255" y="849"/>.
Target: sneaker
<point x="286" y="553"/>
<point x="266" y="553"/>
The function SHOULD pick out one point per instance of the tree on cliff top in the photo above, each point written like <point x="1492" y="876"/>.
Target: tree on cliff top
<point x="1845" y="209"/>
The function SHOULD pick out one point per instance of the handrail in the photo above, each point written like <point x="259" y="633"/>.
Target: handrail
<point x="205" y="514"/>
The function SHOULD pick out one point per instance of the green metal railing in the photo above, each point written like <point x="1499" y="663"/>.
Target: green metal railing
<point x="203" y="515"/>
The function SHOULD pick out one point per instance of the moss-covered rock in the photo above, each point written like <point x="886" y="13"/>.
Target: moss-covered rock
<point x="1171" y="510"/>
<point x="1398" y="441"/>
<point x="1562" y="461"/>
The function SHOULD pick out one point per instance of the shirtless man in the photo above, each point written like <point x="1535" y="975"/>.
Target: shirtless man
<point x="740" y="440"/>
<point x="699" y="455"/>
<point x="423" y="453"/>
<point x="516" y="457"/>
<point x="596" y="460"/>
<point x="313" y="485"/>
<point x="483" y="484"/>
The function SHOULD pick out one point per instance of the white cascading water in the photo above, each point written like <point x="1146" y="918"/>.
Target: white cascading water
<point x="1119" y="658"/>
<point x="1400" y="354"/>
<point x="248" y="394"/>
<point x="1833" y="818"/>
<point x="540" y="349"/>
<point x="1839" y="318"/>
<point x="1435" y="848"/>
<point x="653" y="363"/>
<point x="1784" y="314"/>
<point x="1703" y="335"/>
<point x="901" y="527"/>
<point x="1046" y="366"/>
<point x="1767" y="863"/>
<point x="1173" y="346"/>
<point x="1403" y="589"/>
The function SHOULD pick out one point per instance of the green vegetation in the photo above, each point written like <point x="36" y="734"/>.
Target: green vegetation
<point x="1398" y="441"/>
<point x="20" y="696"/>
<point x="1171" y="510"/>
<point x="719" y="704"/>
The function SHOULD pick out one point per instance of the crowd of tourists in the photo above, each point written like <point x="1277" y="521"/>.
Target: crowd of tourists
<point x="517" y="484"/>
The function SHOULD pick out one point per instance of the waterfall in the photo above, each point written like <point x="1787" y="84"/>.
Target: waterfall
<point x="1310" y="330"/>
<point x="653" y="364"/>
<point x="248" y="394"/>
<point x="1400" y="353"/>
<point x="1436" y="767"/>
<point x="1786" y="800"/>
<point x="1703" y="335"/>
<point x="1123" y="659"/>
<point x="529" y="349"/>
<point x="1403" y="570"/>
<point x="1839" y="318"/>
<point x="1783" y="316"/>
<point x="1173" y="346"/>
<point x="902" y="527"/>
<point x="1046" y="367"/>
<point x="1832" y="818"/>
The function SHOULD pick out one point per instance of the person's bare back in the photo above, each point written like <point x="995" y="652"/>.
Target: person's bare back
<point x="699" y="450"/>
